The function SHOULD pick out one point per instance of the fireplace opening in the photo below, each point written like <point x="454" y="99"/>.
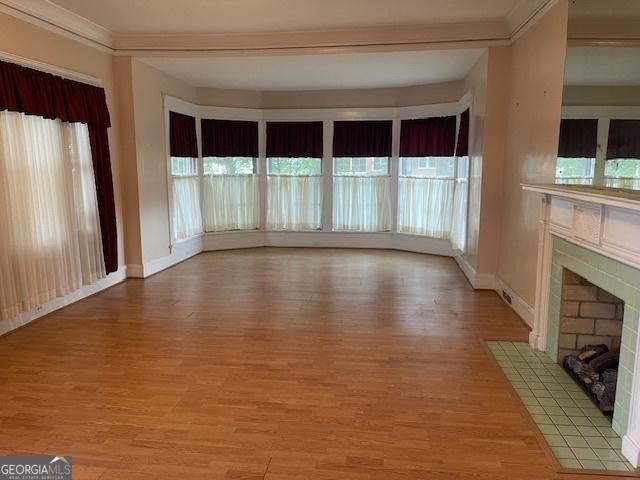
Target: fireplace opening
<point x="589" y="339"/>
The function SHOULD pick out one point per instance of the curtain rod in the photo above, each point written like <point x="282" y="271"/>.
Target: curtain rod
<point x="45" y="67"/>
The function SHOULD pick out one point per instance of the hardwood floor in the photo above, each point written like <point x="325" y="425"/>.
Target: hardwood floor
<point x="274" y="364"/>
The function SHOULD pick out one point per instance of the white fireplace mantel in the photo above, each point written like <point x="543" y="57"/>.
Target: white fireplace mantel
<point x="605" y="221"/>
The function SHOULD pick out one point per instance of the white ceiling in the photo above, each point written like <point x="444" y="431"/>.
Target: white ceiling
<point x="602" y="66"/>
<point x="320" y="72"/>
<point x="243" y="16"/>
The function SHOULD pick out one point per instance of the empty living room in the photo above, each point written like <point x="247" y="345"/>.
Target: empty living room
<point x="319" y="240"/>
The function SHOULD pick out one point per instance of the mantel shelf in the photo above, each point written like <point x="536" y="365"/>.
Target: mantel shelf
<point x="614" y="197"/>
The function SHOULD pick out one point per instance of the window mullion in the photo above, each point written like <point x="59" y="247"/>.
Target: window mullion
<point x="327" y="176"/>
<point x="394" y="169"/>
<point x="601" y="151"/>
<point x="262" y="172"/>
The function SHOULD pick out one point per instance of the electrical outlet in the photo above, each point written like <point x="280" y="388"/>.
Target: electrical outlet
<point x="507" y="297"/>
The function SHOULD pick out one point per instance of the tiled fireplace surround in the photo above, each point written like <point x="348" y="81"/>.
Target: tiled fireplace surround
<point x="611" y="276"/>
<point x="594" y="235"/>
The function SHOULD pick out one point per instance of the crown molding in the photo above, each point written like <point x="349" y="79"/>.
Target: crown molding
<point x="525" y="14"/>
<point x="60" y="20"/>
<point x="46" y="14"/>
<point x="464" y="34"/>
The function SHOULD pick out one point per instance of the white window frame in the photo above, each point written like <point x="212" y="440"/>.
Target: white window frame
<point x="391" y="239"/>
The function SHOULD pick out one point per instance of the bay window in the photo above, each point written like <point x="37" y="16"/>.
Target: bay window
<point x="361" y="177"/>
<point x="232" y="187"/>
<point x="231" y="191"/>
<point x="294" y="176"/>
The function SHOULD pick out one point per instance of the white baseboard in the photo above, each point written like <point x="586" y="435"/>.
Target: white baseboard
<point x="631" y="448"/>
<point x="57" y="303"/>
<point x="479" y="281"/>
<point x="232" y="240"/>
<point x="391" y="241"/>
<point x="522" y="308"/>
<point x="179" y="252"/>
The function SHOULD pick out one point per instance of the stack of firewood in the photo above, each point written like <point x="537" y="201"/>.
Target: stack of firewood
<point x="596" y="368"/>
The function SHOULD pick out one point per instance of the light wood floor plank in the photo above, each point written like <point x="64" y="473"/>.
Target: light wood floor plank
<point x="274" y="364"/>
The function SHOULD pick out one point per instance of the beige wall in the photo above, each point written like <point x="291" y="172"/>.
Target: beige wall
<point x="29" y="41"/>
<point x="537" y="66"/>
<point x="493" y="158"/>
<point x="222" y="97"/>
<point x="476" y="83"/>
<point x="488" y="80"/>
<point x="375" y="97"/>
<point x="127" y="149"/>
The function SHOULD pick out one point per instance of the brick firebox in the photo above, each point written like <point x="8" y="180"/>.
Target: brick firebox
<point x="589" y="315"/>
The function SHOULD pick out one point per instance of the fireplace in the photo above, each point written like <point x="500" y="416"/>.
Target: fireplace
<point x="588" y="295"/>
<point x="590" y="336"/>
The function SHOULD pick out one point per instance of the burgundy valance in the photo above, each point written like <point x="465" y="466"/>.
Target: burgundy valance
<point x="34" y="92"/>
<point x="229" y="138"/>
<point x="183" y="140"/>
<point x="294" y="139"/>
<point x="624" y="139"/>
<point x="371" y="138"/>
<point x="462" y="145"/>
<point x="428" y="137"/>
<point x="578" y="138"/>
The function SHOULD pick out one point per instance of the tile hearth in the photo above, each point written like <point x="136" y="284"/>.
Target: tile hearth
<point x="579" y="435"/>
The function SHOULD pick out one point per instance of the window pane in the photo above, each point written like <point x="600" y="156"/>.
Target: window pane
<point x="294" y="166"/>
<point x="577" y="171"/>
<point x="294" y="202"/>
<point x="361" y="166"/>
<point x="187" y="220"/>
<point x="362" y="203"/>
<point x="231" y="202"/>
<point x="425" y="206"/>
<point x="229" y="166"/>
<point x="428" y="167"/>
<point x="181" y="166"/>
<point x="622" y="173"/>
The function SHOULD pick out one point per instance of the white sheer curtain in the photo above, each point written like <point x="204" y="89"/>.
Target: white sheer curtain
<point x="294" y="202"/>
<point x="231" y="202"/>
<point x="50" y="242"/>
<point x="362" y="203"/>
<point x="187" y="219"/>
<point x="425" y="206"/>
<point x="460" y="202"/>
